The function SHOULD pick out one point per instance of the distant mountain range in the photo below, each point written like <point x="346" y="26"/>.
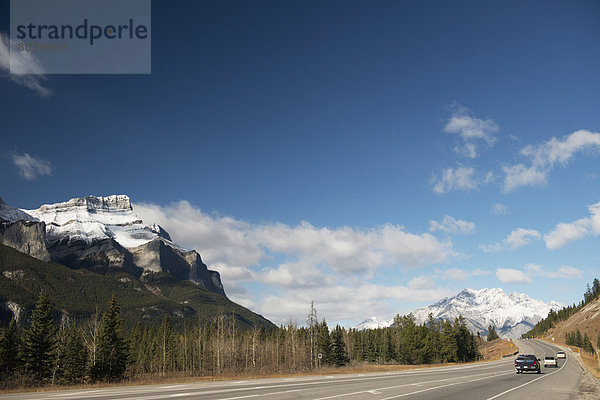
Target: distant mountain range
<point x="510" y="314"/>
<point x="105" y="236"/>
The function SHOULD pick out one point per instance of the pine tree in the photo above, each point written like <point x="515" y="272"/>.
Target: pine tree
<point x="492" y="335"/>
<point x="578" y="339"/>
<point x="9" y="350"/>
<point x="587" y="344"/>
<point x="596" y="288"/>
<point x="324" y="343"/>
<point x="112" y="353"/>
<point x="75" y="357"/>
<point x="40" y="341"/>
<point x="339" y="352"/>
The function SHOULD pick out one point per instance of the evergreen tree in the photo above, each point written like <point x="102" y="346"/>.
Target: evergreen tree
<point x="40" y="341"/>
<point x="339" y="353"/>
<point x="111" y="360"/>
<point x="587" y="344"/>
<point x="75" y="357"/>
<point x="596" y="288"/>
<point x="9" y="350"/>
<point x="578" y="339"/>
<point x="388" y="352"/>
<point x="324" y="343"/>
<point x="492" y="335"/>
<point x="448" y="347"/>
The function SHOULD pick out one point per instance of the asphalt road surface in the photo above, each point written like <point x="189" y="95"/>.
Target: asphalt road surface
<point x="482" y="381"/>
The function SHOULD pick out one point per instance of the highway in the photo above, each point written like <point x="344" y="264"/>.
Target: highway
<point x="481" y="381"/>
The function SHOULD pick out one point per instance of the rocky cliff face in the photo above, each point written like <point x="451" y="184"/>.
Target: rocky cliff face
<point x="23" y="232"/>
<point x="102" y="234"/>
<point x="28" y="237"/>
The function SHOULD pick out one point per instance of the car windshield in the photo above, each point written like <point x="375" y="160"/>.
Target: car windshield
<point x="549" y="358"/>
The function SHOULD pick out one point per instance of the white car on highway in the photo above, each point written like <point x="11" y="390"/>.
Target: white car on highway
<point x="561" y="354"/>
<point x="550" y="362"/>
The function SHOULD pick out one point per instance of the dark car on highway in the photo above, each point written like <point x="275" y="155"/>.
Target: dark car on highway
<point x="527" y="363"/>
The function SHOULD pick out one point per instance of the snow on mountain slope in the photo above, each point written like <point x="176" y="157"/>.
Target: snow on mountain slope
<point x="94" y="218"/>
<point x="511" y="315"/>
<point x="12" y="214"/>
<point x="372" y="323"/>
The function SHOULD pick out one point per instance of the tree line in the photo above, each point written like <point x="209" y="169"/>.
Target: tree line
<point x="101" y="349"/>
<point x="575" y="339"/>
<point x="592" y="293"/>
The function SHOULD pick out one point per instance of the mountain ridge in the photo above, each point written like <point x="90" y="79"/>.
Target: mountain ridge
<point x="511" y="314"/>
<point x="102" y="234"/>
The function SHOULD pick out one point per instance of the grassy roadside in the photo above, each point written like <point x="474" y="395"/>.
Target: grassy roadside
<point x="497" y="349"/>
<point x="490" y="351"/>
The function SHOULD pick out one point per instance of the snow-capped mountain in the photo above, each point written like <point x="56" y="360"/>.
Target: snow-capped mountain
<point x="102" y="234"/>
<point x="95" y="218"/>
<point x="511" y="314"/>
<point x="372" y="323"/>
<point x="11" y="214"/>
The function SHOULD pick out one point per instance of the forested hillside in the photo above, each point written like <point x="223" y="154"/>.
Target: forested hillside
<point x="76" y="294"/>
<point x="572" y="335"/>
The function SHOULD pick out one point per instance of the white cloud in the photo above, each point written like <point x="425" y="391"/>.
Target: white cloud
<point x="26" y="69"/>
<point x="30" y="167"/>
<point x="508" y="275"/>
<point x="456" y="274"/>
<point x="296" y="275"/>
<point x="451" y="225"/>
<point x="521" y="175"/>
<point x="421" y="282"/>
<point x="499" y="209"/>
<point x="564" y="272"/>
<point x="461" y="275"/>
<point x="517" y="238"/>
<point x="232" y="244"/>
<point x="460" y="178"/>
<point x="565" y="233"/>
<point x="521" y="237"/>
<point x="301" y="263"/>
<point x="545" y="156"/>
<point x="471" y="130"/>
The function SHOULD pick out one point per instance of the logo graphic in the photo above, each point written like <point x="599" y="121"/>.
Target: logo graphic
<point x="81" y="36"/>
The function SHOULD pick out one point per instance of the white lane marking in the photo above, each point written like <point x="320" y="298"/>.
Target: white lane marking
<point x="180" y="394"/>
<point x="373" y="392"/>
<point x="239" y="382"/>
<point x="442" y="386"/>
<point x="412" y="384"/>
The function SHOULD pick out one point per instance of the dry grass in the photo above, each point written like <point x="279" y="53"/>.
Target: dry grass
<point x="496" y="349"/>
<point x="591" y="363"/>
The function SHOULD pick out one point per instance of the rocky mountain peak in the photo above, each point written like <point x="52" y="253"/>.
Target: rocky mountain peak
<point x="511" y="315"/>
<point x="91" y="203"/>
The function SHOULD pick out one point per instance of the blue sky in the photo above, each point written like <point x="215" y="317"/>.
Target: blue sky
<point x="304" y="148"/>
